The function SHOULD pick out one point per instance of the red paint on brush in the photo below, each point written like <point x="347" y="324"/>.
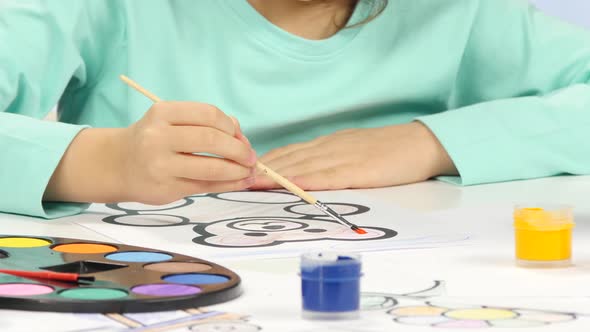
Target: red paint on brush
<point x="360" y="231"/>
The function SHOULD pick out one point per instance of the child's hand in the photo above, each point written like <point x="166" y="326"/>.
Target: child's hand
<point x="153" y="160"/>
<point x="159" y="164"/>
<point x="360" y="158"/>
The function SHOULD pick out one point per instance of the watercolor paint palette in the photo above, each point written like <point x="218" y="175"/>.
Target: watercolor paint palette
<point x="127" y="278"/>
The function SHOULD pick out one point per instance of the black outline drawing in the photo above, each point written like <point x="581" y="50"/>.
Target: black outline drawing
<point x="389" y="303"/>
<point x="229" y="325"/>
<point x="219" y="196"/>
<point x="242" y="323"/>
<point x="112" y="219"/>
<point x="194" y="322"/>
<point x="204" y="235"/>
<point x="301" y="221"/>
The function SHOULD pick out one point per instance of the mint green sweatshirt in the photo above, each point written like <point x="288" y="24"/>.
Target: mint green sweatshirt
<point x="503" y="87"/>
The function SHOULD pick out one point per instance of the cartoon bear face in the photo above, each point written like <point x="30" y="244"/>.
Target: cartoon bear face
<point x="269" y="231"/>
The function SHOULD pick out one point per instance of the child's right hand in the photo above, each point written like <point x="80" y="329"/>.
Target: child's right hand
<point x="153" y="161"/>
<point x="160" y="164"/>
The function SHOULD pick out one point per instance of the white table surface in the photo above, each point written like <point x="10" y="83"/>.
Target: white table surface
<point x="482" y="269"/>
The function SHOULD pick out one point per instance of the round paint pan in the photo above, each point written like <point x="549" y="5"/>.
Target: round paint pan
<point x="126" y="278"/>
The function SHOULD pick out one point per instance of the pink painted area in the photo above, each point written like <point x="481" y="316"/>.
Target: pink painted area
<point x="464" y="324"/>
<point x="24" y="289"/>
<point x="422" y="320"/>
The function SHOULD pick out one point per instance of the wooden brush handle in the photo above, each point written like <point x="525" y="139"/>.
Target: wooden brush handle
<point x="286" y="183"/>
<point x="139" y="88"/>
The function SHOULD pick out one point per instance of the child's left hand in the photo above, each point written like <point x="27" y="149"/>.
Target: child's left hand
<point x="360" y="158"/>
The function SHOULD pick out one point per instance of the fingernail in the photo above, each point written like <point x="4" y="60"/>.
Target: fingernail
<point x="253" y="157"/>
<point x="236" y="126"/>
<point x="243" y="138"/>
<point x="247" y="140"/>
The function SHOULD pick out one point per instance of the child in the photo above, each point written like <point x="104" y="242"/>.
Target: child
<point x="331" y="93"/>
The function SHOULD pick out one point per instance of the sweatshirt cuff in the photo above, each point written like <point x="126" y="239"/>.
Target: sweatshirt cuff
<point x="34" y="149"/>
<point x="483" y="147"/>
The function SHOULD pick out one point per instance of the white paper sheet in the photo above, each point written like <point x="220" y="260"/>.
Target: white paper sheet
<point x="265" y="224"/>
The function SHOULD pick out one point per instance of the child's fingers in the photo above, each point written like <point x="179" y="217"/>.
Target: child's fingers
<point x="236" y="124"/>
<point x="244" y="139"/>
<point x="190" y="139"/>
<point x="182" y="113"/>
<point x="239" y="134"/>
<point x="332" y="178"/>
<point x="264" y="184"/>
<point x="206" y="168"/>
<point x="190" y="187"/>
<point x="284" y="152"/>
<point x="302" y="161"/>
<point x="308" y="165"/>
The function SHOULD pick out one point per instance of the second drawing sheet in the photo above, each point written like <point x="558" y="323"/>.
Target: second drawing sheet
<point x="265" y="223"/>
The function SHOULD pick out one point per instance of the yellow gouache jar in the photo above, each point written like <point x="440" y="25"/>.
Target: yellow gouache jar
<point x="543" y="236"/>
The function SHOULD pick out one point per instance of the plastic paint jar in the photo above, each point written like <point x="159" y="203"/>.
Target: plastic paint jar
<point x="543" y="235"/>
<point x="330" y="285"/>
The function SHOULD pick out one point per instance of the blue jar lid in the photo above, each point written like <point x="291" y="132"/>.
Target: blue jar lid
<point x="330" y="267"/>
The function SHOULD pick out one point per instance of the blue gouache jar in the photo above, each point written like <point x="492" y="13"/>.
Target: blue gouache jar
<point x="330" y="285"/>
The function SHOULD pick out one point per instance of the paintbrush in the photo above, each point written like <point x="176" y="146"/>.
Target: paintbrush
<point x="308" y="197"/>
<point x="269" y="172"/>
<point x="46" y="275"/>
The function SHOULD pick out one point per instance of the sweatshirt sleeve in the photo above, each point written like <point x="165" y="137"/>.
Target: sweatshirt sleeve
<point x="520" y="105"/>
<point x="47" y="47"/>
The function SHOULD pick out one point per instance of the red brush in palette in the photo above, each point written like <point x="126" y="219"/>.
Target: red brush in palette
<point x="68" y="277"/>
<point x="105" y="277"/>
